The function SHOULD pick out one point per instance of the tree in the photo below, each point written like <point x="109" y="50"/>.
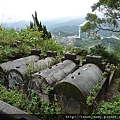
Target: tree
<point x="31" y="24"/>
<point x="49" y="35"/>
<point x="109" y="20"/>
<point x="44" y="32"/>
<point x="100" y="50"/>
<point x="117" y="49"/>
<point x="38" y="25"/>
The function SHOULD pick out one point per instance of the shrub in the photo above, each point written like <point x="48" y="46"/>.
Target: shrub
<point x="110" y="108"/>
<point x="29" y="103"/>
<point x="108" y="57"/>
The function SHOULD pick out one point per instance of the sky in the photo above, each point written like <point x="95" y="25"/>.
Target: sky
<point x="16" y="10"/>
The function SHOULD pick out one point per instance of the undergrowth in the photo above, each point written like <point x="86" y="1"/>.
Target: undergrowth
<point x="29" y="103"/>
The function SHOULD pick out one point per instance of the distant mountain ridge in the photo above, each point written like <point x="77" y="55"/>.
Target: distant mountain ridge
<point x="71" y="22"/>
<point x="50" y="24"/>
<point x="65" y="30"/>
<point x="64" y="26"/>
<point x="68" y="28"/>
<point x="19" y="25"/>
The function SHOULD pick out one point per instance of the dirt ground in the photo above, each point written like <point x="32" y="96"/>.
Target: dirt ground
<point x="112" y="90"/>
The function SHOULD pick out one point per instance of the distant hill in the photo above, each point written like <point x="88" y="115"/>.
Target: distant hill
<point x="73" y="22"/>
<point x="111" y="41"/>
<point x="68" y="28"/>
<point x="18" y="25"/>
<point x="50" y="24"/>
<point x="21" y="24"/>
<point x="89" y="43"/>
<point x="58" y="22"/>
<point x="65" y="30"/>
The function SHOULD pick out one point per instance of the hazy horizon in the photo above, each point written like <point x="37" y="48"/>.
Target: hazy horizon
<point x="61" y="19"/>
<point x="17" y="10"/>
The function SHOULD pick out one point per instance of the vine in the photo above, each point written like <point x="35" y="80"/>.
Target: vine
<point x="96" y="88"/>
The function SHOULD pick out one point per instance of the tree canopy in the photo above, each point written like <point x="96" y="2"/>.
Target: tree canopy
<point x="108" y="19"/>
<point x="46" y="34"/>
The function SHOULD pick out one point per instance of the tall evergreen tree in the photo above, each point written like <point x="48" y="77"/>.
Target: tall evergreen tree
<point x="46" y="34"/>
<point x="31" y="24"/>
<point x="36" y="19"/>
<point x="40" y="26"/>
<point x="49" y="35"/>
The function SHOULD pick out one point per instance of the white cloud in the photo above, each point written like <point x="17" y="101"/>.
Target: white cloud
<point x="22" y="9"/>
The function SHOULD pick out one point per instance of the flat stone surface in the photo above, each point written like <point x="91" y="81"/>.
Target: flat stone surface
<point x="13" y="112"/>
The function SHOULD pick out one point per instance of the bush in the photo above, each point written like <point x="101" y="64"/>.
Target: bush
<point x="101" y="51"/>
<point x="51" y="45"/>
<point x="110" y="57"/>
<point x="31" y="104"/>
<point x="19" y="44"/>
<point x="110" y="108"/>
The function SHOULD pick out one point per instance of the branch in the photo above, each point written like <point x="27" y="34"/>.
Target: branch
<point x="110" y="29"/>
<point x="107" y="29"/>
<point x="34" y="21"/>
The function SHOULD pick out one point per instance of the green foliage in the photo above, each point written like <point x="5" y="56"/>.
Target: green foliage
<point x="91" y="98"/>
<point x="111" y="58"/>
<point x="6" y="53"/>
<point x="75" y="50"/>
<point x="14" y="43"/>
<point x="109" y="22"/>
<point x="51" y="45"/>
<point x="38" y="25"/>
<point x="66" y="30"/>
<point x="46" y="109"/>
<point x="69" y="48"/>
<point x="48" y="88"/>
<point x="101" y="51"/>
<point x="8" y="37"/>
<point x="117" y="50"/>
<point x="110" y="108"/>
<point x="88" y="100"/>
<point x="97" y="49"/>
<point x="117" y="72"/>
<point x="29" y="103"/>
<point x="19" y="44"/>
<point x="13" y="97"/>
<point x="86" y="43"/>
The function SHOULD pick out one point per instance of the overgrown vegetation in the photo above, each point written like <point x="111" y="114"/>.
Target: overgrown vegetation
<point x="107" y="56"/>
<point x="111" y="107"/>
<point x="90" y="99"/>
<point x="16" y="44"/>
<point x="19" y="44"/>
<point x="29" y="103"/>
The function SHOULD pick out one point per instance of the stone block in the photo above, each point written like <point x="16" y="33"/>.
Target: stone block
<point x="77" y="61"/>
<point x="93" y="59"/>
<point x="51" y="53"/>
<point x="70" y="56"/>
<point x="35" y="52"/>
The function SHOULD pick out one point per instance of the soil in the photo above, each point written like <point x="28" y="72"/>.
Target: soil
<point x="112" y="90"/>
